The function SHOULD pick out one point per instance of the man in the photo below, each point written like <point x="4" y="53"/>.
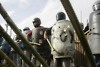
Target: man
<point x="38" y="37"/>
<point x="94" y="34"/>
<point x="6" y="48"/>
<point x="15" y="57"/>
<point x="62" y="39"/>
<point x="26" y="30"/>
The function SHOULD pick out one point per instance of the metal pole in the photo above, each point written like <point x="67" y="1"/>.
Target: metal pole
<point x="73" y="18"/>
<point x="16" y="30"/>
<point x="7" y="58"/>
<point x="15" y="47"/>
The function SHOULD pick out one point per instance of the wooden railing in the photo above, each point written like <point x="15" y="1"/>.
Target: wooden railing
<point x="80" y="58"/>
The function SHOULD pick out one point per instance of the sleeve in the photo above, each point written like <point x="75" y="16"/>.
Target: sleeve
<point x="29" y="34"/>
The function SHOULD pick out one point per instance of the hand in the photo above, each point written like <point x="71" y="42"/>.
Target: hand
<point x="45" y="35"/>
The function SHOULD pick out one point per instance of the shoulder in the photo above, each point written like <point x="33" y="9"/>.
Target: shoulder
<point x="48" y="31"/>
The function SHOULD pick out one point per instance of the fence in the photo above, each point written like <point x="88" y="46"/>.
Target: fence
<point x="80" y="58"/>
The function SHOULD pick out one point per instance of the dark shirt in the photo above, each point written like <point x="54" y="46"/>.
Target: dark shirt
<point x="5" y="45"/>
<point x="30" y="33"/>
<point x="44" y="48"/>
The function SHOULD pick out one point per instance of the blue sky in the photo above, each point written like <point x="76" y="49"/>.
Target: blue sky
<point x="23" y="12"/>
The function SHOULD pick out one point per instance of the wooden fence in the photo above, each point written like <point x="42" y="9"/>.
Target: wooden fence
<point x="80" y="58"/>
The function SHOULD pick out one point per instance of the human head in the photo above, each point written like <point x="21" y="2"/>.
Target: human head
<point x="96" y="5"/>
<point x="26" y="28"/>
<point x="60" y="16"/>
<point x="36" y="22"/>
